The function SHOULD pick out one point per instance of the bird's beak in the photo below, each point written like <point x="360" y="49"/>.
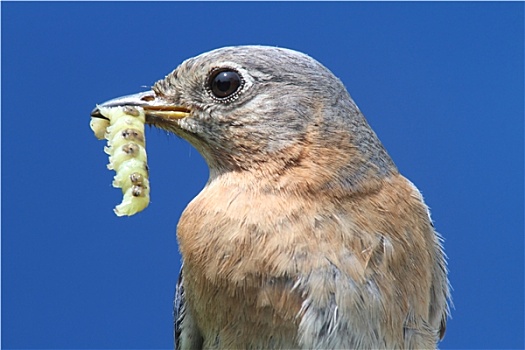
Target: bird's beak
<point x="157" y="109"/>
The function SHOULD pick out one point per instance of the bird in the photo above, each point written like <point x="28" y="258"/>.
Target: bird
<point x="306" y="235"/>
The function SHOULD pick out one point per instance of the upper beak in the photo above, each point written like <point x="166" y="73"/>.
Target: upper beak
<point x="155" y="108"/>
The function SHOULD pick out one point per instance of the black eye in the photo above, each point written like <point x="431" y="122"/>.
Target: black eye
<point x="224" y="83"/>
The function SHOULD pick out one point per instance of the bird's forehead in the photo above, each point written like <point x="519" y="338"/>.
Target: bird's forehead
<point x="252" y="59"/>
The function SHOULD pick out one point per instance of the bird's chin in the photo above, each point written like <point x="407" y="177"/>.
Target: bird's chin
<point x="165" y="124"/>
<point x="180" y="128"/>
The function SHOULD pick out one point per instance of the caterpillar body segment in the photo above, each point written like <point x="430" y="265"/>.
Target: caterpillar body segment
<point x="124" y="131"/>
<point x="99" y="126"/>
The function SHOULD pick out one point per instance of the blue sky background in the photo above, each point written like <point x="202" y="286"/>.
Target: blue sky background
<point x="442" y="84"/>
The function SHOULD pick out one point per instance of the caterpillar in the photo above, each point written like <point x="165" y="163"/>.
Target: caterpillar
<point x="124" y="131"/>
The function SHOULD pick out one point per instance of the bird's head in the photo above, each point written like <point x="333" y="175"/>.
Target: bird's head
<point x="274" y="113"/>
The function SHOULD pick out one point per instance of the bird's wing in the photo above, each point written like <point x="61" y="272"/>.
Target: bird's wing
<point x="178" y="310"/>
<point x="185" y="332"/>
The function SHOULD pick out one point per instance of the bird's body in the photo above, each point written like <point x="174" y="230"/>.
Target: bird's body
<point x="306" y="235"/>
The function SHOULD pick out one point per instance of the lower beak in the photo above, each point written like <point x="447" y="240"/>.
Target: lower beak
<point x="155" y="108"/>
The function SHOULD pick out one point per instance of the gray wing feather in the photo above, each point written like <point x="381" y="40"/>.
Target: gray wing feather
<point x="185" y="331"/>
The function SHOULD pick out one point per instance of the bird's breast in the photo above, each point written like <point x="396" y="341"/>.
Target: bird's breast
<point x="240" y="249"/>
<point x="252" y="259"/>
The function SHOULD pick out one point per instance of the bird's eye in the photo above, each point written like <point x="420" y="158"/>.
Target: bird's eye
<point x="224" y="83"/>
